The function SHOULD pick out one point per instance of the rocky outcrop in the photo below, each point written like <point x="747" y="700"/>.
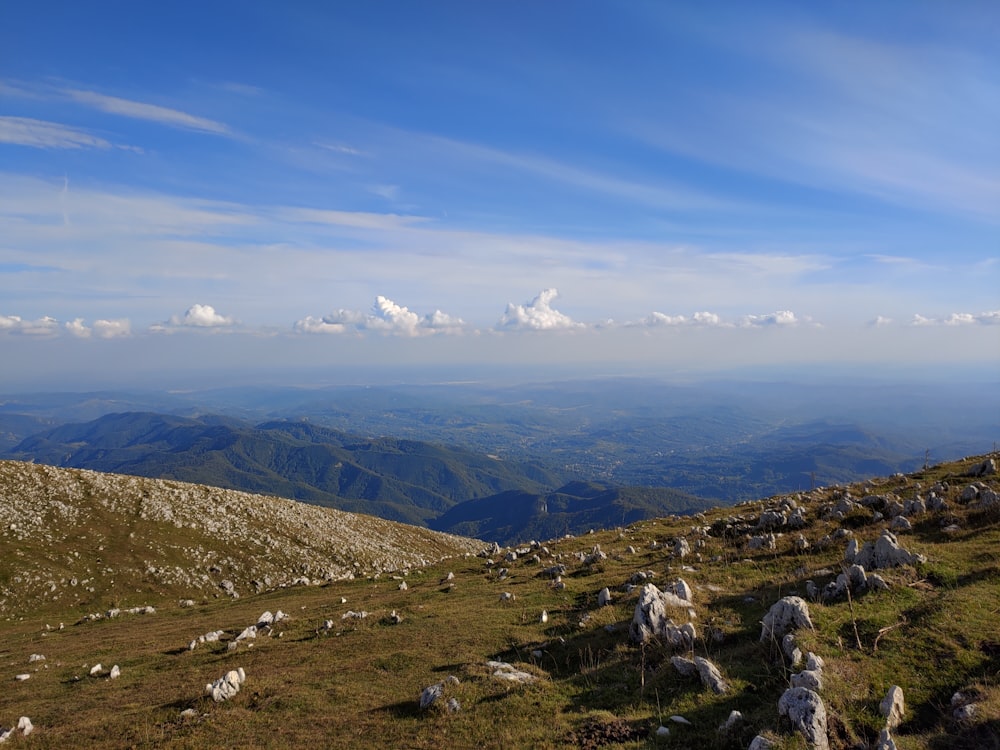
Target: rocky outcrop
<point x="650" y="620"/>
<point x="893" y="707"/>
<point x="885" y="552"/>
<point x="805" y="709"/>
<point x="227" y="686"/>
<point x="788" y="613"/>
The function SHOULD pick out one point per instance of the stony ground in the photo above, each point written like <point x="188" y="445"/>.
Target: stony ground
<point x="799" y="612"/>
<point x="70" y="537"/>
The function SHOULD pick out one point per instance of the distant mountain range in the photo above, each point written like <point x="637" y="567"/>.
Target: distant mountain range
<point x="402" y="480"/>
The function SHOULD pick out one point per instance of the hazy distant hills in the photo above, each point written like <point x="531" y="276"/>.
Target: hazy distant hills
<point x="572" y="509"/>
<point x="401" y="480"/>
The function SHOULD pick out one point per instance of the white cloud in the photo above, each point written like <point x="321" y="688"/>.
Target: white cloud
<point x="143" y="111"/>
<point x="880" y="321"/>
<point x="24" y="131"/>
<point x="45" y="326"/>
<point x="779" y="318"/>
<point x="986" y="318"/>
<point x="102" y="329"/>
<point x="110" y="329"/>
<point x="353" y="219"/>
<point x="386" y="317"/>
<point x="537" y="315"/>
<point x="201" y="316"/>
<point x="920" y="320"/>
<point x="78" y="329"/>
<point x="658" y="319"/>
<point x="309" y="324"/>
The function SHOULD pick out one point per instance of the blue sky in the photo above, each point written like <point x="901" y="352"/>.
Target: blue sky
<point x="675" y="185"/>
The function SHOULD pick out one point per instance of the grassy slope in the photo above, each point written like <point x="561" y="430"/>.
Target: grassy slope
<point x="360" y="683"/>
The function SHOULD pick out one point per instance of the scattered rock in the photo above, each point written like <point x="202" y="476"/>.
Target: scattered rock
<point x="650" y="619"/>
<point x="806" y="711"/>
<point x="885" y="552"/>
<point x="504" y="671"/>
<point x="24" y="726"/>
<point x="885" y="741"/>
<point x="710" y="676"/>
<point x="604" y="597"/>
<point x="735" y="720"/>
<point x="760" y="742"/>
<point x="226" y="686"/>
<point x="893" y="707"/>
<point x="686" y="667"/>
<point x="115" y="673"/>
<point x="430" y="694"/>
<point x="788" y="613"/>
<point x="210" y="637"/>
<point x="986" y="468"/>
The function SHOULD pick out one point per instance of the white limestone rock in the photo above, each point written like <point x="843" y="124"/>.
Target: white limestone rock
<point x="760" y="742"/>
<point x="430" y="694"/>
<point x="733" y="722"/>
<point x="684" y="666"/>
<point x="885" y="552"/>
<point x="509" y="673"/>
<point x="710" y="676"/>
<point x="808" y="678"/>
<point x="805" y="709"/>
<point x="788" y="613"/>
<point x="650" y="619"/>
<point x="604" y="597"/>
<point x="227" y="686"/>
<point x="885" y="741"/>
<point x="893" y="707"/>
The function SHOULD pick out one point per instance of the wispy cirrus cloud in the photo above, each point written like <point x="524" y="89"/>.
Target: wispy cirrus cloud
<point x="25" y="131"/>
<point x="144" y="111"/>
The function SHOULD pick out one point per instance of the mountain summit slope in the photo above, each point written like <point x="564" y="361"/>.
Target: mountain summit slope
<point x="74" y="537"/>
<point x="890" y="587"/>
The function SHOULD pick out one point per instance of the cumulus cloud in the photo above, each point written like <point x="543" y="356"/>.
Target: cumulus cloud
<point x="987" y="318"/>
<point x="537" y="315"/>
<point x="201" y="316"/>
<point x="102" y="329"/>
<point x="779" y="318"/>
<point x="385" y="317"/>
<point x="44" y="326"/>
<point x="880" y="321"/>
<point x="990" y="317"/>
<point x="309" y="324"/>
<point x="658" y="319"/>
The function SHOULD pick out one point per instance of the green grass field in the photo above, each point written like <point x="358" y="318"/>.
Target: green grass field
<point x="934" y="632"/>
